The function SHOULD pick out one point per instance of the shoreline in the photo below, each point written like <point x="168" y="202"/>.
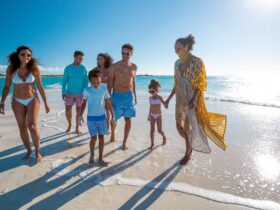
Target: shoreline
<point x="66" y="157"/>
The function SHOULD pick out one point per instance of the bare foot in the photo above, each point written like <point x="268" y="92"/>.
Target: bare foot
<point x="68" y="129"/>
<point x="151" y="147"/>
<point x="103" y="163"/>
<point x="78" y="131"/>
<point x="27" y="156"/>
<point x="186" y="159"/>
<point x="112" y="138"/>
<point x="91" y="159"/>
<point x="124" y="147"/>
<point x="164" y="141"/>
<point x="39" y="158"/>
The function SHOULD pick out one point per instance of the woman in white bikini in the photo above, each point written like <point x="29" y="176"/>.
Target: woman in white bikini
<point x="155" y="111"/>
<point x="24" y="73"/>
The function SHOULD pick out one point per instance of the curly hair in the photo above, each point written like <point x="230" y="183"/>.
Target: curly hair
<point x="14" y="62"/>
<point x="154" y="84"/>
<point x="108" y="60"/>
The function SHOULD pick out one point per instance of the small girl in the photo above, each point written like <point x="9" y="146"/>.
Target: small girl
<point x="155" y="111"/>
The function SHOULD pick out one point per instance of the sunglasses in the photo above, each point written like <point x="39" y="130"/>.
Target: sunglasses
<point x="125" y="53"/>
<point x="151" y="91"/>
<point x="25" y="55"/>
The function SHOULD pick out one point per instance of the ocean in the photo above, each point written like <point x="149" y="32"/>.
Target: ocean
<point x="256" y="91"/>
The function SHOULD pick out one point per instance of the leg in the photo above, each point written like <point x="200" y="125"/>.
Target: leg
<point x="159" y="127"/>
<point x="152" y="132"/>
<point x="20" y="115"/>
<point x="101" y="148"/>
<point x="188" y="152"/>
<point x="108" y="118"/>
<point x="92" y="146"/>
<point x="126" y="132"/>
<point x="78" y="112"/>
<point x="68" y="113"/>
<point x="32" y="117"/>
<point x="113" y="128"/>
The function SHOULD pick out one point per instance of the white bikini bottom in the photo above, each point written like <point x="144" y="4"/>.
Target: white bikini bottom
<point x="155" y="116"/>
<point x="24" y="102"/>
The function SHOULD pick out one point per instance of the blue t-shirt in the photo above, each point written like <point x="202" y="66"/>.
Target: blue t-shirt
<point x="96" y="100"/>
<point x="74" y="79"/>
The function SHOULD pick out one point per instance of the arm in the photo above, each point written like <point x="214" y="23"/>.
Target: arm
<point x="85" y="82"/>
<point x="162" y="101"/>
<point x="149" y="116"/>
<point x="199" y="85"/>
<point x="110" y="80"/>
<point x="170" y="97"/>
<point x="134" y="89"/>
<point x="83" y="107"/>
<point x="109" y="107"/>
<point x="64" y="83"/>
<point x="41" y="90"/>
<point x="81" y="118"/>
<point x="6" y="90"/>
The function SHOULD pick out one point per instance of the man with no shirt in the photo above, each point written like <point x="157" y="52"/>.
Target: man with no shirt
<point x="121" y="87"/>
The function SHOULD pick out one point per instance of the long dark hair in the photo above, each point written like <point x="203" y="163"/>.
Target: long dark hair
<point x="32" y="65"/>
<point x="108" y="60"/>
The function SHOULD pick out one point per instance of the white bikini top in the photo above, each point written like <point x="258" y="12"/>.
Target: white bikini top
<point x="155" y="101"/>
<point x="17" y="80"/>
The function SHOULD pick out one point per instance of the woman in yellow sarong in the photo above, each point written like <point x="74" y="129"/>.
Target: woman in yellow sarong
<point x="193" y="122"/>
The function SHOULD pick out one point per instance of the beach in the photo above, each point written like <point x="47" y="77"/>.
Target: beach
<point x="245" y="176"/>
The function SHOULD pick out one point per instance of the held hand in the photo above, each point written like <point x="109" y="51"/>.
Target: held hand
<point x="166" y="104"/>
<point x="191" y="104"/>
<point x="81" y="120"/>
<point x="2" y="108"/>
<point x="63" y="97"/>
<point x="47" y="108"/>
<point x="149" y="118"/>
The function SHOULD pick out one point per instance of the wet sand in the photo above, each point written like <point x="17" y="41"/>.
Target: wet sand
<point x="246" y="175"/>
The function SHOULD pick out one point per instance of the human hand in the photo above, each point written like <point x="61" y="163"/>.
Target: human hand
<point x="191" y="104"/>
<point x="47" y="108"/>
<point x="81" y="120"/>
<point x="166" y="104"/>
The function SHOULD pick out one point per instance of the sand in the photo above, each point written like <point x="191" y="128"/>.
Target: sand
<point x="138" y="178"/>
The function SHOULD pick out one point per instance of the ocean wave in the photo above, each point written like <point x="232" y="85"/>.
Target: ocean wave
<point x="183" y="188"/>
<point x="54" y="86"/>
<point x="242" y="102"/>
<point x="49" y="122"/>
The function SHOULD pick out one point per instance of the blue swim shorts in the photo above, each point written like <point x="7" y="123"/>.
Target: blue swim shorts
<point x="97" y="125"/>
<point x="123" y="104"/>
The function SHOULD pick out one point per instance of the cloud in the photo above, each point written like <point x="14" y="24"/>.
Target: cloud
<point x="43" y="70"/>
<point x="50" y="70"/>
<point x="3" y="69"/>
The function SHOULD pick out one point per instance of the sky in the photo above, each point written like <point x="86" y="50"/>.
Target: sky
<point x="233" y="37"/>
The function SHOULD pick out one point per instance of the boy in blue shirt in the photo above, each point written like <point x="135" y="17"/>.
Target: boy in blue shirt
<point x="98" y="100"/>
